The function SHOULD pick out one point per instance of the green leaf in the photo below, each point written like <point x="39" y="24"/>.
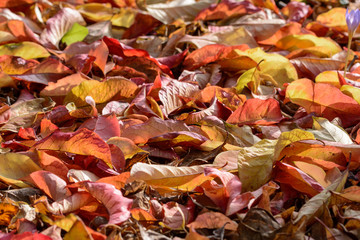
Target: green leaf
<point x="77" y="33"/>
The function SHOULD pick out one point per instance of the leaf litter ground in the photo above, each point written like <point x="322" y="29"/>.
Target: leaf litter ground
<point x="124" y="119"/>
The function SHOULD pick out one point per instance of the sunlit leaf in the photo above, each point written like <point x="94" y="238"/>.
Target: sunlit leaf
<point x="267" y="112"/>
<point x="117" y="205"/>
<point x="297" y="179"/>
<point x="83" y="142"/>
<point x="293" y="42"/>
<point x="59" y="25"/>
<point x="14" y="166"/>
<point x="226" y="193"/>
<point x="168" y="12"/>
<point x="180" y="138"/>
<point x="314" y="206"/>
<point x="289" y="137"/>
<point x="325" y="130"/>
<point x="181" y="178"/>
<point x="314" y="98"/>
<point x="96" y="11"/>
<point x="115" y="89"/>
<point x="169" y="94"/>
<point x="75" y="34"/>
<point x="52" y="185"/>
<point x="351" y="91"/>
<point x="7" y="212"/>
<point x="226" y="9"/>
<point x="78" y="231"/>
<point x="140" y="133"/>
<point x="26" y="50"/>
<point x="16" y="65"/>
<point x="255" y="164"/>
<point x="334" y="18"/>
<point x="275" y="65"/>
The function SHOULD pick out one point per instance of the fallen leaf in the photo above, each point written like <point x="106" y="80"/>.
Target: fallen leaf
<point x="297" y="179"/>
<point x="255" y="164"/>
<point x="26" y="50"/>
<point x="212" y="220"/>
<point x="294" y="42"/>
<point x="83" y="142"/>
<point x="225" y="10"/>
<point x="116" y="88"/>
<point x="256" y="111"/>
<point x="186" y="10"/>
<point x="52" y="185"/>
<point x="59" y="25"/>
<point x="313" y="97"/>
<point x="15" y="166"/>
<point x="181" y="178"/>
<point x="117" y="205"/>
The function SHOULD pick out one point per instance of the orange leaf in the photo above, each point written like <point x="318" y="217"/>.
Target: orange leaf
<point x="82" y="142"/>
<point x="213" y="220"/>
<point x="59" y="89"/>
<point x="257" y="111"/>
<point x="288" y="29"/>
<point x="226" y="9"/>
<point x="117" y="205"/>
<point x="16" y="65"/>
<point x="208" y="54"/>
<point x="117" y="181"/>
<point x="52" y="185"/>
<point x="142" y="215"/>
<point x="326" y="157"/>
<point x="325" y="100"/>
<point x="11" y="3"/>
<point x="52" y="164"/>
<point x="297" y="179"/>
<point x="21" y="31"/>
<point x="7" y="212"/>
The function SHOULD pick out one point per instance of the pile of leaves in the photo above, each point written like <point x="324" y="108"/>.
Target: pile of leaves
<point x="185" y="119"/>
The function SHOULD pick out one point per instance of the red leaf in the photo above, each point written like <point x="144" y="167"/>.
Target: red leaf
<point x="297" y="179"/>
<point x="107" y="126"/>
<point x="208" y="54"/>
<point x="82" y="142"/>
<point x="52" y="185"/>
<point x="257" y="111"/>
<point x="112" y="198"/>
<point x="226" y="9"/>
<point x="117" y="48"/>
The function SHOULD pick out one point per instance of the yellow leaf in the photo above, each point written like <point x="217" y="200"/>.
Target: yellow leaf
<point x="128" y="147"/>
<point x="26" y="50"/>
<point x="289" y="137"/>
<point x="255" y="164"/>
<point x="253" y="78"/>
<point x="329" y="77"/>
<point x="125" y="18"/>
<point x="78" y="231"/>
<point x="96" y="11"/>
<point x="67" y="222"/>
<point x="351" y="91"/>
<point x="14" y="166"/>
<point x="294" y="42"/>
<point x="334" y="18"/>
<point x="274" y="65"/>
<point x="113" y="89"/>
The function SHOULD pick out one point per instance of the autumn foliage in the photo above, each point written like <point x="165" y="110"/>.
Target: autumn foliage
<point x="178" y="119"/>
